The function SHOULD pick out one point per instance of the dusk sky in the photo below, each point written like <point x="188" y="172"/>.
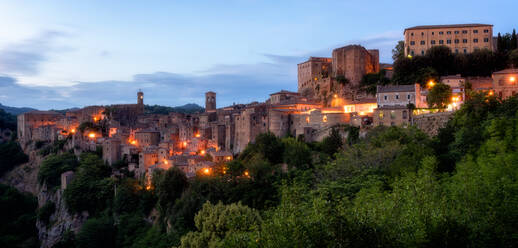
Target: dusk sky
<point x="62" y="54"/>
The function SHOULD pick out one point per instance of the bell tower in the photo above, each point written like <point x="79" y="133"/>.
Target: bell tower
<point x="140" y="100"/>
<point x="210" y="101"/>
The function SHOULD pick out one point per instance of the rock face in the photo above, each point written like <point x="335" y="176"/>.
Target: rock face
<point x="431" y="123"/>
<point x="60" y="221"/>
<point x="25" y="179"/>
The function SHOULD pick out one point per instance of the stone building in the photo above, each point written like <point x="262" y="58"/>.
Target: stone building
<point x="321" y="78"/>
<point x="146" y="138"/>
<point x="505" y="83"/>
<point x="38" y="125"/>
<point x="460" y="38"/>
<point x="393" y="104"/>
<point x="111" y="151"/>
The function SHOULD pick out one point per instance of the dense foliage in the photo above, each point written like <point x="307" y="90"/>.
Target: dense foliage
<point x="7" y="121"/>
<point x="11" y="155"/>
<point x="18" y="218"/>
<point x="53" y="166"/>
<point x="164" y="110"/>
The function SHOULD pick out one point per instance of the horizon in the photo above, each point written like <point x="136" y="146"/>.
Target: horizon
<point x="59" y="55"/>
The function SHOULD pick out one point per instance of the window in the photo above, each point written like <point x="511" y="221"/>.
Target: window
<point x="456" y="50"/>
<point x="464" y="31"/>
<point x="475" y="40"/>
<point x="412" y="43"/>
<point x="465" y="50"/>
<point x="464" y="40"/>
<point x="397" y="97"/>
<point x="385" y="97"/>
<point x="411" y="34"/>
<point x="448" y="41"/>
<point x="441" y="42"/>
<point x="412" y="52"/>
<point x="456" y="41"/>
<point x="433" y="33"/>
<point x="422" y="33"/>
<point x="422" y="42"/>
<point x="422" y="52"/>
<point x="433" y="42"/>
<point x="475" y="31"/>
<point x="408" y="96"/>
<point x="404" y="114"/>
<point x="449" y="32"/>
<point x="381" y="115"/>
<point x="392" y="123"/>
<point x="486" y="30"/>
<point x="457" y="32"/>
<point x="392" y="114"/>
<point x="441" y="33"/>
<point x="486" y="39"/>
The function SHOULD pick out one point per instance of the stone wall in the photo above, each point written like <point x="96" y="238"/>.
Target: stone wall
<point x="431" y="123"/>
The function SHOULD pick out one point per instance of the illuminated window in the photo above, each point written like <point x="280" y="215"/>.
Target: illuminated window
<point x="392" y="114"/>
<point x="324" y="119"/>
<point x="307" y="119"/>
<point x="380" y="114"/>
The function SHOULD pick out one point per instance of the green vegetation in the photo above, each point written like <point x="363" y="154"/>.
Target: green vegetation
<point x="185" y="109"/>
<point x="17" y="213"/>
<point x="439" y="96"/>
<point x="46" y="211"/>
<point x="53" y="166"/>
<point x="11" y="155"/>
<point x="7" y="121"/>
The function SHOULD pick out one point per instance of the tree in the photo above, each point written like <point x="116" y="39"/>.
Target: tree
<point x="370" y="81"/>
<point x="296" y="154"/>
<point x="53" y="166"/>
<point x="332" y="143"/>
<point x="513" y="58"/>
<point x="169" y="186"/>
<point x="98" y="233"/>
<point x="441" y="60"/>
<point x="399" y="51"/>
<point x="11" y="155"/>
<point x="222" y="226"/>
<point x="439" y="96"/>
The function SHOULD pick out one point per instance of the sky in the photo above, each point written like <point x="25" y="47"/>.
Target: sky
<point x="57" y="54"/>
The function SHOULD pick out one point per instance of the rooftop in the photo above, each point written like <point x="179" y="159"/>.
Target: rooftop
<point x="285" y="92"/>
<point x="469" y="25"/>
<point x="506" y="71"/>
<point x="396" y="88"/>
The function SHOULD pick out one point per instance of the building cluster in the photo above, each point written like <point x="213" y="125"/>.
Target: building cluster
<point x="327" y="96"/>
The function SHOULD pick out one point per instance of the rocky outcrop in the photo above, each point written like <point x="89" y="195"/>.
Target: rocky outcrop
<point x="431" y="123"/>
<point x="60" y="221"/>
<point x="25" y="177"/>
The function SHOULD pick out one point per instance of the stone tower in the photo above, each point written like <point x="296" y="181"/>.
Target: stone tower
<point x="140" y="100"/>
<point x="210" y="101"/>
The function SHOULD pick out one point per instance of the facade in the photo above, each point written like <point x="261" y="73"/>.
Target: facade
<point x="505" y="83"/>
<point x="457" y="85"/>
<point x="320" y="78"/>
<point x="38" y="126"/>
<point x="460" y="38"/>
<point x="394" y="104"/>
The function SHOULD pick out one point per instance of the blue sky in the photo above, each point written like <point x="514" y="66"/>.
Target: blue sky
<point x="61" y="54"/>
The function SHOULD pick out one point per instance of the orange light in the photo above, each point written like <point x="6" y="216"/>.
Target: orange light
<point x="512" y="79"/>
<point x="246" y="173"/>
<point x="229" y="158"/>
<point x="197" y="135"/>
<point x="206" y="171"/>
<point x="335" y="95"/>
<point x="91" y="135"/>
<point x="73" y="130"/>
<point x="185" y="143"/>
<point x="148" y="187"/>
<point x="431" y="83"/>
<point x="165" y="161"/>
<point x="491" y="93"/>
<point x="95" y="118"/>
<point x="202" y="152"/>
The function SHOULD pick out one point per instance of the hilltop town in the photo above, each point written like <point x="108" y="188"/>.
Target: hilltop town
<point x="356" y="132"/>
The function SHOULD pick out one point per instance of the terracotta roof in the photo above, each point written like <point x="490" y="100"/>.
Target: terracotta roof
<point x="506" y="71"/>
<point x="452" y="77"/>
<point x="40" y="112"/>
<point x="470" y="25"/>
<point x="285" y="92"/>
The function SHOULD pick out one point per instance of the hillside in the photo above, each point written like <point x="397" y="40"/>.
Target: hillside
<point x="15" y="110"/>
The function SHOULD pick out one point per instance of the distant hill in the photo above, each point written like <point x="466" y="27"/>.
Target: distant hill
<point x="189" y="108"/>
<point x="14" y="110"/>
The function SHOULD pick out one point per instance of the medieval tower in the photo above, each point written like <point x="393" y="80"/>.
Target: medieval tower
<point x="210" y="101"/>
<point x="140" y="100"/>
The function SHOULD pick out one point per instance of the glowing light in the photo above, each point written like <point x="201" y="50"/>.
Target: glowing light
<point x="362" y="113"/>
<point x="228" y="158"/>
<point x="165" y="162"/>
<point x="73" y="130"/>
<point x="91" y="135"/>
<point x="409" y="56"/>
<point x="133" y="142"/>
<point x="202" y="152"/>
<point x="491" y="93"/>
<point x="324" y="119"/>
<point x="141" y="97"/>
<point x="246" y="173"/>
<point x="148" y="187"/>
<point x="206" y="171"/>
<point x="184" y="143"/>
<point x="335" y="95"/>
<point x="512" y="79"/>
<point x="95" y="118"/>
<point x="197" y="135"/>
<point x="431" y="84"/>
<point x="307" y="119"/>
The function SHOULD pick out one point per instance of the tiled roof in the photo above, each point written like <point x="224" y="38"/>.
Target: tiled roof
<point x="506" y="71"/>
<point x="396" y="88"/>
<point x="470" y="25"/>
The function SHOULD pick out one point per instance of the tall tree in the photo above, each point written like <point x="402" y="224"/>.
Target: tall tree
<point x="439" y="96"/>
<point x="399" y="51"/>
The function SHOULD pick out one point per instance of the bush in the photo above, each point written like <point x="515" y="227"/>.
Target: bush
<point x="53" y="166"/>
<point x="97" y="233"/>
<point x="11" y="155"/>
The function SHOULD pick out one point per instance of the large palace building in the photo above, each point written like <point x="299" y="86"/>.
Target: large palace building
<point x="461" y="38"/>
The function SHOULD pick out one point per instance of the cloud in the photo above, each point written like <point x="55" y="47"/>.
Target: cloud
<point x="26" y="57"/>
<point x="7" y="81"/>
